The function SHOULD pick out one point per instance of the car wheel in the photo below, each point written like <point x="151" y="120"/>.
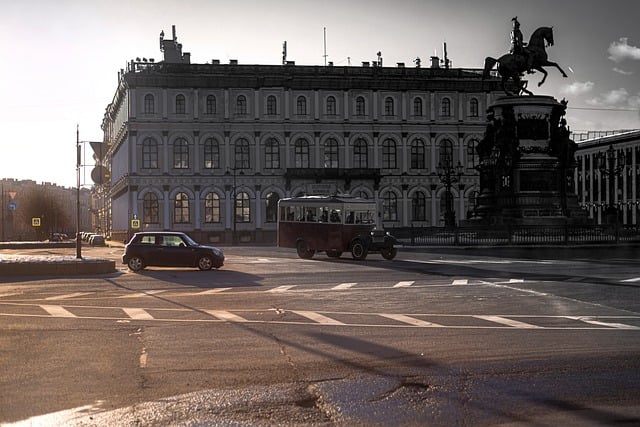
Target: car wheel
<point x="358" y="250"/>
<point x="303" y="252"/>
<point x="205" y="263"/>
<point x="389" y="253"/>
<point x="334" y="254"/>
<point x="135" y="263"/>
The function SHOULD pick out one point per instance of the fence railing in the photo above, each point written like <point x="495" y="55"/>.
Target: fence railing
<point x="516" y="235"/>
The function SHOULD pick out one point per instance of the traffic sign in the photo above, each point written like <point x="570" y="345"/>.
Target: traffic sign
<point x="12" y="206"/>
<point x="135" y="223"/>
<point x="36" y="222"/>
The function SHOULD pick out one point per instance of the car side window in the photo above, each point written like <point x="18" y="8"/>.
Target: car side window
<point x="148" y="240"/>
<point x="173" y="241"/>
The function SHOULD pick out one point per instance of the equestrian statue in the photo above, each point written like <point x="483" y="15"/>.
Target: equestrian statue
<point x="523" y="58"/>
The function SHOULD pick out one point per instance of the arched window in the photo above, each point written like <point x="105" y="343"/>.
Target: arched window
<point x="360" y="106"/>
<point x="272" y="207"/>
<point x="389" y="207"/>
<point x="211" y="154"/>
<point x="150" y="209"/>
<point x="149" y="104"/>
<point x="242" y="208"/>
<point x="301" y="106"/>
<point x="331" y="106"/>
<point x="149" y="154"/>
<point x="181" y="209"/>
<point x="211" y="104"/>
<point x="473" y="108"/>
<point x="388" y="106"/>
<point x="301" y="153"/>
<point x="417" y="107"/>
<point x="418" y="154"/>
<point x="331" y="153"/>
<point x="446" y="153"/>
<point x="272" y="154"/>
<point x="389" y="154"/>
<point x="181" y="154"/>
<point x="181" y="104"/>
<point x="272" y="105"/>
<point x="211" y="208"/>
<point x="419" y="206"/>
<point x="445" y="110"/>
<point x="360" y="154"/>
<point x="241" y="105"/>
<point x="242" y="159"/>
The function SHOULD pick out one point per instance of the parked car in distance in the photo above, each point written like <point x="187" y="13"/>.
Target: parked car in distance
<point x="97" y="240"/>
<point x="169" y="249"/>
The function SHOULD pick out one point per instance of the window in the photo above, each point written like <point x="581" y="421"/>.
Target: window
<point x="446" y="153"/>
<point x="389" y="157"/>
<point x="445" y="110"/>
<point x="301" y="106"/>
<point x="360" y="106"/>
<point x="272" y="207"/>
<point x="180" y="154"/>
<point x="211" y="105"/>
<point x="419" y="206"/>
<point x="211" y="154"/>
<point x="331" y="106"/>
<point x="241" y="105"/>
<point x="211" y="208"/>
<point x="388" y="106"/>
<point x="417" y="154"/>
<point x="301" y="153"/>
<point x="242" y="154"/>
<point x="242" y="210"/>
<point x="272" y="105"/>
<point x="472" y="153"/>
<point x="360" y="154"/>
<point x="417" y="107"/>
<point x="473" y="107"/>
<point x="150" y="209"/>
<point x="180" y="104"/>
<point x="149" y="154"/>
<point x="389" y="207"/>
<point x="181" y="209"/>
<point x="272" y="154"/>
<point x="331" y="153"/>
<point x="149" y="104"/>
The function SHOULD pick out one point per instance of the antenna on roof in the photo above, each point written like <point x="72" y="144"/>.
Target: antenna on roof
<point x="325" y="46"/>
<point x="284" y="52"/>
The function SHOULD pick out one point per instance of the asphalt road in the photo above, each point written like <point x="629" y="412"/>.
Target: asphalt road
<point x="454" y="337"/>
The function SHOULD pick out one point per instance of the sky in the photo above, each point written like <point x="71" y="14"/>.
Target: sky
<point x="61" y="58"/>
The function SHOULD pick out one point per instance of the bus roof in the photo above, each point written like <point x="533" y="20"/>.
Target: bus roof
<point x="319" y="199"/>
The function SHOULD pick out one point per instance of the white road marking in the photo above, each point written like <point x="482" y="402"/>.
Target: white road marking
<point x="590" y="321"/>
<point x="343" y="286"/>
<point x="57" y="311"/>
<point x="137" y="313"/>
<point x="411" y="320"/>
<point x="144" y="294"/>
<point x="633" y="279"/>
<point x="73" y="295"/>
<point x="212" y="291"/>
<point x="143" y="358"/>
<point x="508" y="322"/>
<point x="282" y="288"/>
<point x="318" y="318"/>
<point x="405" y="284"/>
<point x="460" y="282"/>
<point x="226" y="316"/>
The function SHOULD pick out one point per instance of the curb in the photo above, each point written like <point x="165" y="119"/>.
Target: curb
<point x="57" y="268"/>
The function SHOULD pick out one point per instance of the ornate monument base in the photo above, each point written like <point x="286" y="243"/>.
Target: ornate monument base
<point x="526" y="165"/>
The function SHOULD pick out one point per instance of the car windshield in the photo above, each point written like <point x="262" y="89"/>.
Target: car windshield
<point x="190" y="241"/>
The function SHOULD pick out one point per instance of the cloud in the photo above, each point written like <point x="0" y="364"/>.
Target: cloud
<point x="577" y="88"/>
<point x="612" y="98"/>
<point x="623" y="72"/>
<point x="621" y="50"/>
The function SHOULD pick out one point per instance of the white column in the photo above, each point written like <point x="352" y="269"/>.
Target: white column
<point x="258" y="209"/>
<point x="197" y="209"/>
<point x="165" y="152"/>
<point x="167" y="218"/>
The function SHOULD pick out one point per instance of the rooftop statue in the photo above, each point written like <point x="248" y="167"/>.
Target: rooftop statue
<point x="523" y="58"/>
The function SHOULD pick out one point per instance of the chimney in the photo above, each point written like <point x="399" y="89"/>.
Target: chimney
<point x="435" y="62"/>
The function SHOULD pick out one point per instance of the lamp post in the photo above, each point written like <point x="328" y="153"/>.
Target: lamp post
<point x="611" y="164"/>
<point x="448" y="175"/>
<point x="78" y="163"/>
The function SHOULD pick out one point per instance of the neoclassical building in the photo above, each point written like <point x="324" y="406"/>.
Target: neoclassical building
<point x="211" y="148"/>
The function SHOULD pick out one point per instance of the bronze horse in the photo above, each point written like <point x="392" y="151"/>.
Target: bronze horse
<point x="512" y="66"/>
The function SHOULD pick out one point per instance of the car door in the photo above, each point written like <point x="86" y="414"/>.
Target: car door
<point x="176" y="252"/>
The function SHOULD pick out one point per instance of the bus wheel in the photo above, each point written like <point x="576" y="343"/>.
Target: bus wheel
<point x="389" y="253"/>
<point x="358" y="250"/>
<point x="334" y="254"/>
<point x="303" y="252"/>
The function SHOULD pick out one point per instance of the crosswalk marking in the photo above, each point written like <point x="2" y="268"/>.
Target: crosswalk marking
<point x="343" y="286"/>
<point x="284" y="288"/>
<point x="318" y="318"/>
<point x="591" y="321"/>
<point x="226" y="316"/>
<point x="460" y="282"/>
<point x="508" y="322"/>
<point x="57" y="311"/>
<point x="66" y="296"/>
<point x="212" y="291"/>
<point x="404" y="284"/>
<point x="137" y="313"/>
<point x="411" y="320"/>
<point x="144" y="294"/>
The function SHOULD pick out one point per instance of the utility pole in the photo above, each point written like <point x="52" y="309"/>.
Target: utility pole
<point x="78" y="162"/>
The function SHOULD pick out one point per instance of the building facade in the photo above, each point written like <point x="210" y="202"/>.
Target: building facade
<point x="210" y="148"/>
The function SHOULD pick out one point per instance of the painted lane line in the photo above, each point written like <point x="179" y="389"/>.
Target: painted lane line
<point x="282" y="288"/>
<point x="137" y="314"/>
<point x="633" y="279"/>
<point x="318" y="318"/>
<point x="460" y="282"/>
<point x="404" y="284"/>
<point x="212" y="291"/>
<point x="143" y="358"/>
<point x="57" y="311"/>
<point x="342" y="286"/>
<point x="144" y="294"/>
<point x="226" y="316"/>
<point x="73" y="295"/>
<point x="590" y="321"/>
<point x="508" y="322"/>
<point x="411" y="320"/>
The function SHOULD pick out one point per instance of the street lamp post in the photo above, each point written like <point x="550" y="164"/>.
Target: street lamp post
<point x="611" y="164"/>
<point x="449" y="175"/>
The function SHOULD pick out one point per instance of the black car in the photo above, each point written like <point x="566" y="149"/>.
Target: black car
<point x="169" y="249"/>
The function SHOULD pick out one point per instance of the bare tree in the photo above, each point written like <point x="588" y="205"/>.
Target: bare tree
<point x="39" y="202"/>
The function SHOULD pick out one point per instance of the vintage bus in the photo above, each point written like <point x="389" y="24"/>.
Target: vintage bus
<point x="332" y="224"/>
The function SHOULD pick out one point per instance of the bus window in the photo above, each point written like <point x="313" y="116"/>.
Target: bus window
<point x="310" y="214"/>
<point x="350" y="218"/>
<point x="335" y="216"/>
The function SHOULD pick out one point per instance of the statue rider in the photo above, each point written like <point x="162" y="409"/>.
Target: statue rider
<point x="518" y="46"/>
